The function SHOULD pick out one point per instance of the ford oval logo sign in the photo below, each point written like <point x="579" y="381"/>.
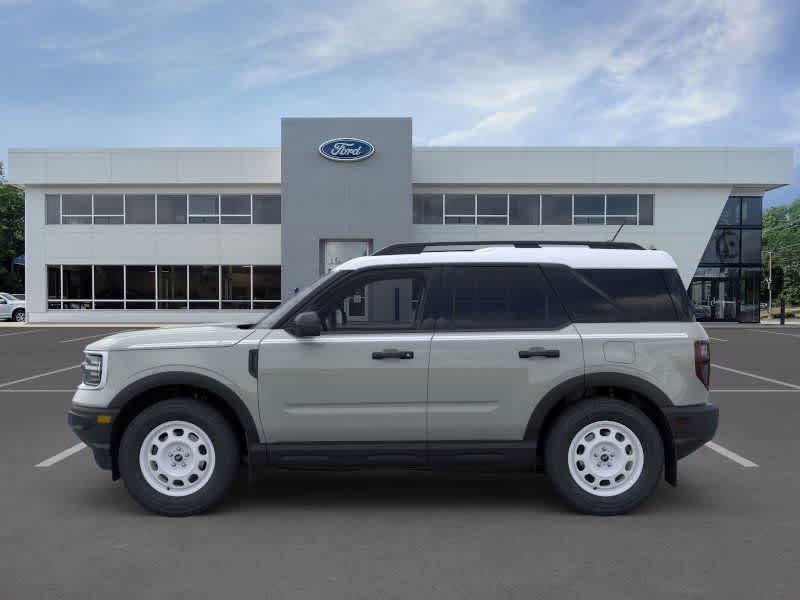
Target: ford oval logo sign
<point x="351" y="149"/>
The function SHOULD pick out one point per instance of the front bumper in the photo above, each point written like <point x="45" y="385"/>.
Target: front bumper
<point x="93" y="427"/>
<point x="692" y="426"/>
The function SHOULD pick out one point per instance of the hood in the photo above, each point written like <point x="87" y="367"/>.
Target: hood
<point x="202" y="336"/>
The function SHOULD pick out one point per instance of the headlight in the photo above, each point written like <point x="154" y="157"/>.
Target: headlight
<point x="92" y="367"/>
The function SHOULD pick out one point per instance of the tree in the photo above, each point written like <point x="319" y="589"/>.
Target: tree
<point x="781" y="235"/>
<point x="12" y="235"/>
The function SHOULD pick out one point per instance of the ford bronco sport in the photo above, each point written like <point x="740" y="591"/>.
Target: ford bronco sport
<point x="579" y="360"/>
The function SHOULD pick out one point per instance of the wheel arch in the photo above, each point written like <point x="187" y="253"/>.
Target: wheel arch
<point x="628" y="388"/>
<point x="149" y="390"/>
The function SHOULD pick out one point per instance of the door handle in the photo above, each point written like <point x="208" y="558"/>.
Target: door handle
<point x="392" y="353"/>
<point x="540" y="353"/>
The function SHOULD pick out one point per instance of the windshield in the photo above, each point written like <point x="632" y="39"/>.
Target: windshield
<point x="8" y="297"/>
<point x="285" y="307"/>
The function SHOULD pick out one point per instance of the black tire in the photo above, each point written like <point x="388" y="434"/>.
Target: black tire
<point x="18" y="315"/>
<point x="570" y="423"/>
<point x="214" y="425"/>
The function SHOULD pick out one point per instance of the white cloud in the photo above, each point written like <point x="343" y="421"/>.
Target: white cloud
<point x="681" y="65"/>
<point x="496" y="122"/>
<point x="302" y="44"/>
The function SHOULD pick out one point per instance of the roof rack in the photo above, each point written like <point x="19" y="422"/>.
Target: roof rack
<point x="420" y="247"/>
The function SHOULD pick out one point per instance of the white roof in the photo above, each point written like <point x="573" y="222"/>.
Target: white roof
<point x="577" y="257"/>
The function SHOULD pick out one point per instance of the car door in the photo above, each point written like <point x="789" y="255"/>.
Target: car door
<point x="5" y="308"/>
<point x="361" y="380"/>
<point x="502" y="342"/>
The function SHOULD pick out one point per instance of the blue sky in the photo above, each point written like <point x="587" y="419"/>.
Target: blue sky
<point x="470" y="72"/>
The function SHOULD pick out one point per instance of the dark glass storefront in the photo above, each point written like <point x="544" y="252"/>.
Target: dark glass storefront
<point x="727" y="281"/>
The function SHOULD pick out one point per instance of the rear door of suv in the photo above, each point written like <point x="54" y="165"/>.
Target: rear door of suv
<point x="502" y="340"/>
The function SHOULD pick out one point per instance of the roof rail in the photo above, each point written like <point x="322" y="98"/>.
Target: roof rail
<point x="420" y="247"/>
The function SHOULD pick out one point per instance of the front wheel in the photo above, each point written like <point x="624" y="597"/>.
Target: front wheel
<point x="18" y="316"/>
<point x="604" y="456"/>
<point x="178" y="457"/>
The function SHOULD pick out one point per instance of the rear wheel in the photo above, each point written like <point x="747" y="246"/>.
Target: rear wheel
<point x="604" y="456"/>
<point x="18" y="315"/>
<point x="178" y="457"/>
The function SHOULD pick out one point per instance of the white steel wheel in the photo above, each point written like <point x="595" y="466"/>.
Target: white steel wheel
<point x="177" y="458"/>
<point x="605" y="458"/>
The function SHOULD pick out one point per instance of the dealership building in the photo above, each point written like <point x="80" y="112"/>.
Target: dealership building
<point x="211" y="234"/>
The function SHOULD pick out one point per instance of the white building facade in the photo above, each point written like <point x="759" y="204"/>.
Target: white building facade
<point x="212" y="234"/>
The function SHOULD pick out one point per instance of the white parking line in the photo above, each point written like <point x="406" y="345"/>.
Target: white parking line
<point x="794" y="335"/>
<point x="57" y="391"/>
<point x="22" y="332"/>
<point x="24" y="379"/>
<point x="717" y="339"/>
<point x="740" y="460"/>
<point x="756" y="391"/>
<point x="49" y="462"/>
<point x="754" y="376"/>
<point x="87" y="337"/>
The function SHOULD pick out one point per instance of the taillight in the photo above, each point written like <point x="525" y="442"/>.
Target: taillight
<point x="702" y="361"/>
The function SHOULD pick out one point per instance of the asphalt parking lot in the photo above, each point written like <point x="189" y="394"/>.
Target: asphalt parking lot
<point x="729" y="530"/>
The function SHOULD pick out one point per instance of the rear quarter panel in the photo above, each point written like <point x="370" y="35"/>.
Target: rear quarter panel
<point x="660" y="353"/>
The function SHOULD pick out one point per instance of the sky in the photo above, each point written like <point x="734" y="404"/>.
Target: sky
<point x="105" y="73"/>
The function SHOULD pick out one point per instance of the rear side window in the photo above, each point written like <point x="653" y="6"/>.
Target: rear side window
<point x="498" y="298"/>
<point x="617" y="295"/>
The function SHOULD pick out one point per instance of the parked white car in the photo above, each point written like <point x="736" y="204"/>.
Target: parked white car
<point x="12" y="308"/>
<point x="584" y="362"/>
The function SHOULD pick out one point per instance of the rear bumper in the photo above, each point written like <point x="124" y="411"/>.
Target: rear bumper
<point x="692" y="426"/>
<point x="97" y="435"/>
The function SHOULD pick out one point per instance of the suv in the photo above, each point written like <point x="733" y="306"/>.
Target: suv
<point x="581" y="361"/>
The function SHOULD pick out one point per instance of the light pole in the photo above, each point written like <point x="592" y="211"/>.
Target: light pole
<point x="769" y="285"/>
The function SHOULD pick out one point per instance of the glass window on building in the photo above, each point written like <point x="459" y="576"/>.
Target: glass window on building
<point x="731" y="214"/>
<point x="266" y="287"/>
<point x="53" y="209"/>
<point x="140" y="209"/>
<point x="523" y="209"/>
<point x="236" y="287"/>
<point x="77" y="286"/>
<point x="751" y="211"/>
<point x="109" y="287"/>
<point x="140" y="286"/>
<point x="492" y="209"/>
<point x="556" y="209"/>
<point x="621" y="209"/>
<point x="171" y="209"/>
<point x="76" y="209"/>
<point x="589" y="209"/>
<point x="204" y="208"/>
<point x="235" y="209"/>
<point x="172" y="287"/>
<point x="109" y="209"/>
<point x="459" y="209"/>
<point x="723" y="247"/>
<point x="203" y="287"/>
<point x="428" y="209"/>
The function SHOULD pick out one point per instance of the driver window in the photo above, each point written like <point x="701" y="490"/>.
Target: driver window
<point x="387" y="301"/>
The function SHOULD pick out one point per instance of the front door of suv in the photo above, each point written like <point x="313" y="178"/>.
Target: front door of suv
<point x="361" y="380"/>
<point x="502" y="342"/>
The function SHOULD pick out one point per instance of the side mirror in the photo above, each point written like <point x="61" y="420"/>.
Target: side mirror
<point x="307" y="324"/>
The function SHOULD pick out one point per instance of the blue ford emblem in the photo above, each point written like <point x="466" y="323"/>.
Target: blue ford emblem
<point x="346" y="149"/>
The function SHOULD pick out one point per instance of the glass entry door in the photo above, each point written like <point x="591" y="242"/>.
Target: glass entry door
<point x="714" y="299"/>
<point x="335" y="252"/>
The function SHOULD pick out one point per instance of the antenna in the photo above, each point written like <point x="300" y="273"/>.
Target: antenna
<point x="616" y="234"/>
